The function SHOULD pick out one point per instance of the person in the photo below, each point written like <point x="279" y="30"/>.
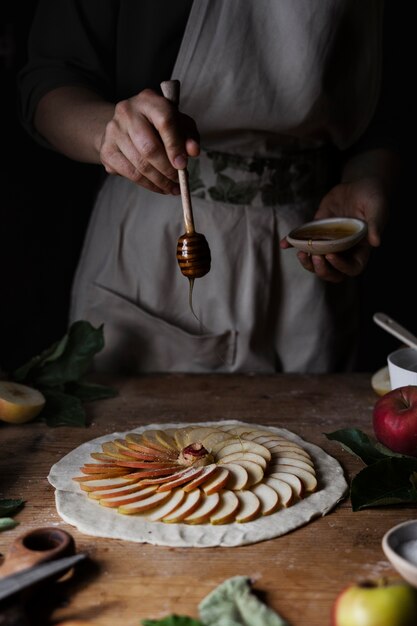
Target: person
<point x="285" y="115"/>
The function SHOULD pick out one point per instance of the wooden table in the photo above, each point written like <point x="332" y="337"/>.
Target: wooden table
<point x="300" y="573"/>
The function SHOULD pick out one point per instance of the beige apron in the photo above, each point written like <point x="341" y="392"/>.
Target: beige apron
<point x="256" y="77"/>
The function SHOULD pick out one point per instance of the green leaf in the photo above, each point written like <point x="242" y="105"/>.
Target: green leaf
<point x="8" y="506"/>
<point x="6" y="523"/>
<point x="386" y="482"/>
<point x="233" y="604"/>
<point x="172" y="620"/>
<point x="358" y="443"/>
<point x="89" y="392"/>
<point x="62" y="409"/>
<point x="82" y="343"/>
<point x="51" y="353"/>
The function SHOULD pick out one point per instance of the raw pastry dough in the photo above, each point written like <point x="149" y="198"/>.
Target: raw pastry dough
<point x="90" y="518"/>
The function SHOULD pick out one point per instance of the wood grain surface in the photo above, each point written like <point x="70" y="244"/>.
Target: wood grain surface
<point x="299" y="574"/>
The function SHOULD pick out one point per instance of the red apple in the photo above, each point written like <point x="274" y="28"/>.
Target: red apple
<point x="376" y="603"/>
<point x="395" y="420"/>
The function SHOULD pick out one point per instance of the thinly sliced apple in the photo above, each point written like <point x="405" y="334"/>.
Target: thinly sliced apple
<point x="191" y="474"/>
<point x="146" y="464"/>
<point x="143" y="452"/>
<point x="286" y="460"/>
<point x="196" y="434"/>
<point x="217" y="482"/>
<point x="168" y="507"/>
<point x="121" y="500"/>
<point x="124" y="490"/>
<point x="289" y="454"/>
<point x="222" y="443"/>
<point x="227" y="508"/>
<point x="293" y="480"/>
<point x="105" y="472"/>
<point x="258" y="434"/>
<point x="146" y="504"/>
<point x="207" y="473"/>
<point x="213" y="439"/>
<point x="254" y="470"/>
<point x="244" y="456"/>
<point x="186" y="508"/>
<point x="166" y="440"/>
<point x="102" y="484"/>
<point x="281" y="448"/>
<point x="181" y="437"/>
<point x="308" y="480"/>
<point x="249" y="506"/>
<point x="158" y="480"/>
<point x="147" y="438"/>
<point x="243" y="446"/>
<point x="206" y="507"/>
<point x="238" y="477"/>
<point x="283" y="490"/>
<point x="110" y="449"/>
<point x="268" y="497"/>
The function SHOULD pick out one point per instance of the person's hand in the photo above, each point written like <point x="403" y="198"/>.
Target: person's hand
<point x="147" y="141"/>
<point x="364" y="199"/>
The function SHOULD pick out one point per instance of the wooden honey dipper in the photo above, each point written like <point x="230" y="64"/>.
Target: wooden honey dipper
<point x="193" y="252"/>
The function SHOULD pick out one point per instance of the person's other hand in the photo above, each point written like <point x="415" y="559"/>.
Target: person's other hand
<point x="148" y="140"/>
<point x="364" y="199"/>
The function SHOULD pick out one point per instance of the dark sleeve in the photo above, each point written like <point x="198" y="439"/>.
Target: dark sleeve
<point x="114" y="47"/>
<point x="389" y="125"/>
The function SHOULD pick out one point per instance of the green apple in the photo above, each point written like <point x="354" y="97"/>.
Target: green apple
<point x="376" y="603"/>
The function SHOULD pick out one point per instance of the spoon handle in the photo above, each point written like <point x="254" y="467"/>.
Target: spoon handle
<point x="171" y="91"/>
<point x="391" y="326"/>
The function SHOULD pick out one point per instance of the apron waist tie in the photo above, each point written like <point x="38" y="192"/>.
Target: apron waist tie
<point x="289" y="178"/>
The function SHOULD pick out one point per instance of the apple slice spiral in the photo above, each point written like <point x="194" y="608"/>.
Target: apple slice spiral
<point x="199" y="474"/>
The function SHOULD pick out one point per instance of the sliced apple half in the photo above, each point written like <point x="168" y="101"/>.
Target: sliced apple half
<point x="103" y="470"/>
<point x="243" y="446"/>
<point x="287" y="460"/>
<point x="208" y="472"/>
<point x="249" y="506"/>
<point x="147" y="438"/>
<point x="169" y="506"/>
<point x="289" y="454"/>
<point x="293" y="481"/>
<point x="87" y="483"/>
<point x="144" y="505"/>
<point x="191" y="474"/>
<point x="282" y="488"/>
<point x="211" y="440"/>
<point x="118" y="491"/>
<point x="19" y="403"/>
<point x="227" y="508"/>
<point x="254" y="470"/>
<point x="121" y="500"/>
<point x="186" y="508"/>
<point x="244" y="456"/>
<point x="217" y="482"/>
<point x="268" y="497"/>
<point x="238" y="477"/>
<point x="206" y="507"/>
<point x="308" y="480"/>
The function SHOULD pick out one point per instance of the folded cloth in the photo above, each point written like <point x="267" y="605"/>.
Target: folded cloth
<point x="233" y="604"/>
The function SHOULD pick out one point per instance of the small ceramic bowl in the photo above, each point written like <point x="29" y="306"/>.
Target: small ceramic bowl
<point x="402" y="366"/>
<point x="400" y="547"/>
<point x="334" y="234"/>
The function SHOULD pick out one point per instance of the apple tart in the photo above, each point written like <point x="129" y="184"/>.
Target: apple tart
<point x="209" y="484"/>
<point x="199" y="474"/>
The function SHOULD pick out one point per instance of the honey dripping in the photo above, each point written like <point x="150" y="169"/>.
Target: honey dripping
<point x="193" y="252"/>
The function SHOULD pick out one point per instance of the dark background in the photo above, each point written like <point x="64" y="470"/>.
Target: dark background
<point x="45" y="204"/>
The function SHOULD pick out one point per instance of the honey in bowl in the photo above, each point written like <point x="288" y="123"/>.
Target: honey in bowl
<point x="328" y="235"/>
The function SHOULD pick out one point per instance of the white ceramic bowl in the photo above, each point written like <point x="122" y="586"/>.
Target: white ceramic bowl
<point x="334" y="234"/>
<point x="400" y="547"/>
<point x="402" y="366"/>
